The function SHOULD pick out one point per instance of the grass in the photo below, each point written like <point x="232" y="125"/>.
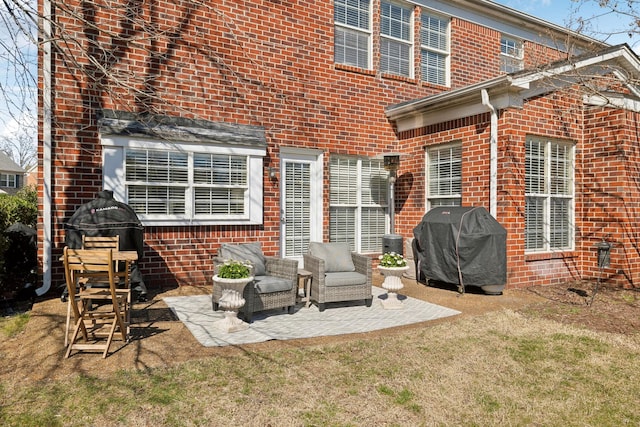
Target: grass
<point x="498" y="369"/>
<point x="10" y="326"/>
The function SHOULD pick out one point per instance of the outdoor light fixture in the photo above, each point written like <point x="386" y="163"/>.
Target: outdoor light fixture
<point x="392" y="242"/>
<point x="392" y="162"/>
<point x="272" y="173"/>
<point x="604" y="261"/>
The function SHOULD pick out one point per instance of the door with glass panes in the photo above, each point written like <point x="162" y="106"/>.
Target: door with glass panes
<point x="300" y="202"/>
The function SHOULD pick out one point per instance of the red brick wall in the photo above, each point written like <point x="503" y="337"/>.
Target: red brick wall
<point x="248" y="62"/>
<point x="606" y="184"/>
<point x="610" y="192"/>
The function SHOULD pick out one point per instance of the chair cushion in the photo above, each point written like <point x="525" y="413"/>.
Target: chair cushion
<point x="336" y="256"/>
<point x="268" y="284"/>
<point x="344" y="278"/>
<point x="251" y="252"/>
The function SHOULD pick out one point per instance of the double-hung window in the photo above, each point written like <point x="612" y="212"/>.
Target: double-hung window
<point x="352" y="38"/>
<point x="444" y="175"/>
<point x="358" y="202"/>
<point x="511" y="55"/>
<point x="396" y="39"/>
<point x="8" y="180"/>
<point x="549" y="195"/>
<point x="434" y="52"/>
<point x="183" y="184"/>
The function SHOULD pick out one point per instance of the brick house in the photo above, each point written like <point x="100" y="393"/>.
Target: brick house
<point x="11" y="175"/>
<point x="266" y="121"/>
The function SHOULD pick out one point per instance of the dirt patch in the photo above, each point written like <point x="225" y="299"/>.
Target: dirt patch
<point x="160" y="340"/>
<point x="585" y="304"/>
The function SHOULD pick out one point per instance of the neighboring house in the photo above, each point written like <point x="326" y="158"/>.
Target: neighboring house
<point x="267" y="121"/>
<point x="31" y="177"/>
<point x="11" y="175"/>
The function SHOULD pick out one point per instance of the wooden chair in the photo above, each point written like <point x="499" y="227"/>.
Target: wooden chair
<point x="101" y="242"/>
<point x="94" y="242"/>
<point x="97" y="325"/>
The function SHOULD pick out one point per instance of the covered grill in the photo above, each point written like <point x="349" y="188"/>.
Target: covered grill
<point x="105" y="216"/>
<point x="461" y="245"/>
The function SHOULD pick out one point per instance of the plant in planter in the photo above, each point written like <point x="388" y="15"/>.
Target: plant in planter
<point x="392" y="260"/>
<point x="233" y="269"/>
<point x="392" y="265"/>
<point x="231" y="277"/>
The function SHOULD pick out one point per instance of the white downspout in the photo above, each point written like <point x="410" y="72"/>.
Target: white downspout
<point x="46" y="149"/>
<point x="493" y="155"/>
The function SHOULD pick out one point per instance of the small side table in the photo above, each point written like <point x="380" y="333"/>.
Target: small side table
<point x="305" y="276"/>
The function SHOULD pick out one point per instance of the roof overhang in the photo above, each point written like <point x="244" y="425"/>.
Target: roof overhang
<point x="511" y="90"/>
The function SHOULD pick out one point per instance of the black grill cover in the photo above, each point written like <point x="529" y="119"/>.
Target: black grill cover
<point x="105" y="216"/>
<point x="462" y="245"/>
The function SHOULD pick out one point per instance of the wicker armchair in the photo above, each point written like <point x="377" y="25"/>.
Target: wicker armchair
<point x="338" y="274"/>
<point x="275" y="283"/>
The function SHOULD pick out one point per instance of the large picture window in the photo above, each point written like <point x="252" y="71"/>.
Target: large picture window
<point x="549" y="195"/>
<point x="358" y="202"/>
<point x="352" y="38"/>
<point x="444" y="175"/>
<point x="189" y="184"/>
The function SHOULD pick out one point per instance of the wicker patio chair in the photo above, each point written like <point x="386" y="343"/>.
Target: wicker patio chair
<point x="338" y="274"/>
<point x="275" y="283"/>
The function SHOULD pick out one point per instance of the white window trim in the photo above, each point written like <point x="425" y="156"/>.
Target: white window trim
<point x="548" y="196"/>
<point x="428" y="197"/>
<point x="519" y="58"/>
<point x="368" y="31"/>
<point x="114" y="176"/>
<point x="410" y="42"/>
<point x="447" y="53"/>
<point x="359" y="205"/>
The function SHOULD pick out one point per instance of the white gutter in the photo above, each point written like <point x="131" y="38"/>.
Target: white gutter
<point x="46" y="150"/>
<point x="493" y="156"/>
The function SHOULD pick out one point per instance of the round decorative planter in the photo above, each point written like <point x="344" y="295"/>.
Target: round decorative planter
<point x="392" y="284"/>
<point x="231" y="301"/>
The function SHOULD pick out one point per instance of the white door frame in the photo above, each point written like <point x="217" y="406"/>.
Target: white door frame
<point x="314" y="158"/>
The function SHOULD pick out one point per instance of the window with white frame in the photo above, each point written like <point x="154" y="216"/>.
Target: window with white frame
<point x="358" y="202"/>
<point x="434" y="53"/>
<point x="185" y="184"/>
<point x="549" y="195"/>
<point x="352" y="38"/>
<point x="444" y="175"/>
<point x="396" y="39"/>
<point x="8" y="180"/>
<point x="511" y="55"/>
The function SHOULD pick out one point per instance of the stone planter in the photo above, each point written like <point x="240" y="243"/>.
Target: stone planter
<point x="231" y="301"/>
<point x="392" y="284"/>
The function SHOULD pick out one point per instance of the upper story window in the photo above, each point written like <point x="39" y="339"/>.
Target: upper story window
<point x="549" y="176"/>
<point x="352" y="39"/>
<point x="444" y="175"/>
<point x="511" y="55"/>
<point x="434" y="52"/>
<point x="8" y="180"/>
<point x="396" y="39"/>
<point x="358" y="202"/>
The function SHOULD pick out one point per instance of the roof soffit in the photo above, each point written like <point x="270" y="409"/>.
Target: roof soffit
<point x="510" y="91"/>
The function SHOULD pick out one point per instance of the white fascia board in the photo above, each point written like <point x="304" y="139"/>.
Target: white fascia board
<point x="614" y="101"/>
<point x="458" y="110"/>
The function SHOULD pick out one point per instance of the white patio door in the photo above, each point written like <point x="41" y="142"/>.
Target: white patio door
<point x="300" y="201"/>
